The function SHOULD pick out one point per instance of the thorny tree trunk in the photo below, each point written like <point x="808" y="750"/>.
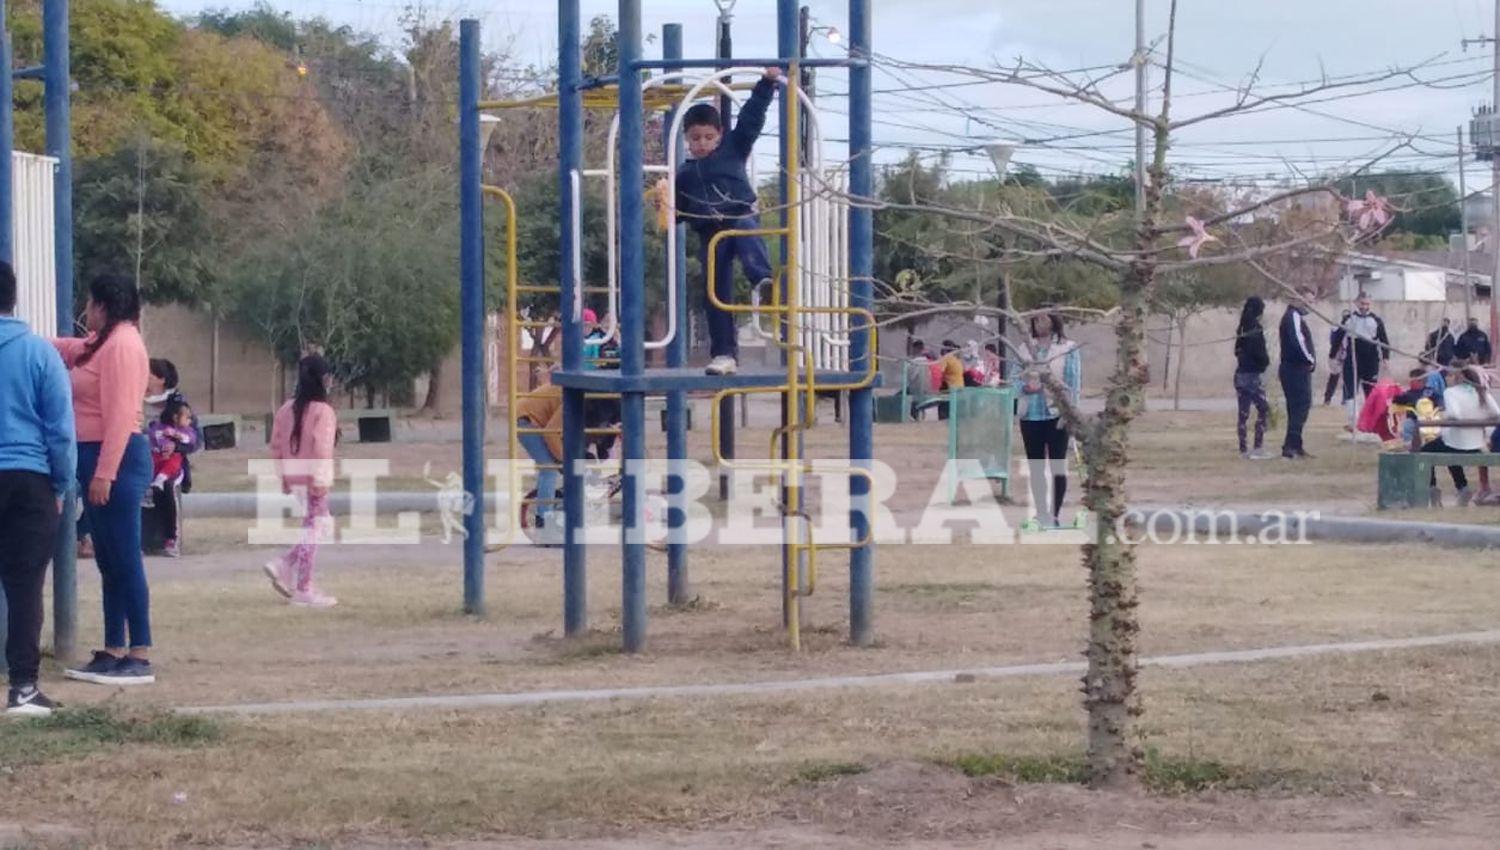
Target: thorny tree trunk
<point x="1114" y="759"/>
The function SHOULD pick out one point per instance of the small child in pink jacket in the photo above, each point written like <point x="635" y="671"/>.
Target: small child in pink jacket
<point x="302" y="441"/>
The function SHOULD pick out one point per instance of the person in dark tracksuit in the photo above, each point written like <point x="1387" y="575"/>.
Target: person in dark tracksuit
<point x="38" y="460"/>
<point x="1366" y="348"/>
<point x="714" y="195"/>
<point x="1251" y="361"/>
<point x="1298" y="360"/>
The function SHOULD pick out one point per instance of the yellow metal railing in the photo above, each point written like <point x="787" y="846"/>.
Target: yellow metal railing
<point x="801" y="386"/>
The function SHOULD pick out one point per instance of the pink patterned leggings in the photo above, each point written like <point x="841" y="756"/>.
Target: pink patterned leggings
<point x="303" y="557"/>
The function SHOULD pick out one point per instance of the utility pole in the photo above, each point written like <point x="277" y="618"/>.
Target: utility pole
<point x="1463" y="214"/>
<point x="1140" y="107"/>
<point x="1485" y="149"/>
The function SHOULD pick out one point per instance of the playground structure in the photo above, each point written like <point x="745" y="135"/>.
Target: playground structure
<point x="44" y="225"/>
<point x="820" y="304"/>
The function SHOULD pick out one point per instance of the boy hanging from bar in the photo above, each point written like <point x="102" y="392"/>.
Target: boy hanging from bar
<point x="713" y="195"/>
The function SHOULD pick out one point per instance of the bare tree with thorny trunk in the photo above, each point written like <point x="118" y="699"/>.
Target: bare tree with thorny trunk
<point x="1153" y="249"/>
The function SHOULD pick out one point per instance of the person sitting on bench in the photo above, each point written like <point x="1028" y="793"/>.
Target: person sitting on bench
<point x="1465" y="399"/>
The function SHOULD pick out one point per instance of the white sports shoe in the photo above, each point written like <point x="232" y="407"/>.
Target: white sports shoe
<point x="722" y="366"/>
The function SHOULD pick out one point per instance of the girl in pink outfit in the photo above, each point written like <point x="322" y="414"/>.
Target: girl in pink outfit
<point x="302" y="441"/>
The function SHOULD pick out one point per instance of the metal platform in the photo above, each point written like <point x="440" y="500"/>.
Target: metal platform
<point x="660" y="381"/>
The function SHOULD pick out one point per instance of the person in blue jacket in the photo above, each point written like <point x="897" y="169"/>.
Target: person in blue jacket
<point x="713" y="195"/>
<point x="38" y="460"/>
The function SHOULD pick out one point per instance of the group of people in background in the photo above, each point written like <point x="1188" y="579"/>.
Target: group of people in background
<point x="73" y="412"/>
<point x="1453" y="379"/>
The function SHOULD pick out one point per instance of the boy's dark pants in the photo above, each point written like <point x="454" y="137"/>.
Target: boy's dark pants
<point x="28" y="534"/>
<point x="756" y="263"/>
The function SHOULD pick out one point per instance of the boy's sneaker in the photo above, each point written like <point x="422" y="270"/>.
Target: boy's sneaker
<point x="312" y="598"/>
<point x="1258" y="454"/>
<point x="1465" y="496"/>
<point x="171" y="550"/>
<point x="129" y="671"/>
<point x="1434" y="497"/>
<point x="93" y="671"/>
<point x="277" y="572"/>
<point x="27" y="701"/>
<point x="722" y="366"/>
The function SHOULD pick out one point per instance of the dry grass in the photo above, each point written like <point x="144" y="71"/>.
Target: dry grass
<point x="1312" y="726"/>
<point x="398" y="632"/>
<point x="1185" y="457"/>
<point x="1417" y="723"/>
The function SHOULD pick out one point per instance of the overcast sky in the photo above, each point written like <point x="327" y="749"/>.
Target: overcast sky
<point x="1219" y="42"/>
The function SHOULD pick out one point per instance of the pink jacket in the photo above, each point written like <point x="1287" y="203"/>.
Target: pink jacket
<point x="312" y="461"/>
<point x="108" y="392"/>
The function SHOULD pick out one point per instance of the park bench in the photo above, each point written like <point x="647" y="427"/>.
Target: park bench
<point x="375" y="425"/>
<point x="1404" y="476"/>
<point x="220" y="430"/>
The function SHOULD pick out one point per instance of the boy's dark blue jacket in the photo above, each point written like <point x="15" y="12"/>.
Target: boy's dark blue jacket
<point x="715" y="190"/>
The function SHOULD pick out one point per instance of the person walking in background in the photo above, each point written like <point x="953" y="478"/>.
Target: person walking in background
<point x="303" y="435"/>
<point x="1045" y="437"/>
<point x="109" y="370"/>
<point x="1441" y="344"/>
<point x="1474" y="345"/>
<point x="1251" y="362"/>
<point x="1335" y="360"/>
<point x="1298" y="362"/>
<point x="38" y="461"/>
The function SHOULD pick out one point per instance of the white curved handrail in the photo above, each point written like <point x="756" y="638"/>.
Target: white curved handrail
<point x="612" y="221"/>
<point x="717" y="78"/>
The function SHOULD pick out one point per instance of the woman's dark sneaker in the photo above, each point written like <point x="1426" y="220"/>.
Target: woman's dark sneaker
<point x="102" y="663"/>
<point x="129" y="671"/>
<point x="27" y="701"/>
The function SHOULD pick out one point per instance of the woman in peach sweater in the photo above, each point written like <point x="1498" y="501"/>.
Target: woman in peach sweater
<point x="109" y="369"/>
<point x="302" y="440"/>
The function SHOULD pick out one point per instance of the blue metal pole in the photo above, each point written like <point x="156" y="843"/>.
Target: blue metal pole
<point x="7" y="136"/>
<point x="678" y="588"/>
<point x="861" y="295"/>
<point x="58" y="79"/>
<point x="632" y="323"/>
<point x="570" y="160"/>
<point x="7" y="143"/>
<point x="471" y="203"/>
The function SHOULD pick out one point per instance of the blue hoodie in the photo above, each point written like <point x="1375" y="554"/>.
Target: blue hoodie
<point x="36" y="407"/>
<point x="715" y="191"/>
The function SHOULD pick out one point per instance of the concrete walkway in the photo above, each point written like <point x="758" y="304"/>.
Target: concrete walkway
<point x="529" y="698"/>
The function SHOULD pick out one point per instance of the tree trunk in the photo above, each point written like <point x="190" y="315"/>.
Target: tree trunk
<point x="1166" y="369"/>
<point x="434" y="382"/>
<point x="1114" y="756"/>
<point x="1181" y="361"/>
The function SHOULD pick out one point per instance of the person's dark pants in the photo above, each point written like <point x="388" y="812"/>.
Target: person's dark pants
<point x="117" y="542"/>
<point x="1251" y="392"/>
<point x="1369" y="373"/>
<point x="1460" y="480"/>
<point x="1046" y="442"/>
<point x="28" y="535"/>
<point x="161" y="523"/>
<point x="1296" y="385"/>
<point x="756" y="263"/>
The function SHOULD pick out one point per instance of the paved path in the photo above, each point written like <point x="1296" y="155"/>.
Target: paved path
<point x="528" y="698"/>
